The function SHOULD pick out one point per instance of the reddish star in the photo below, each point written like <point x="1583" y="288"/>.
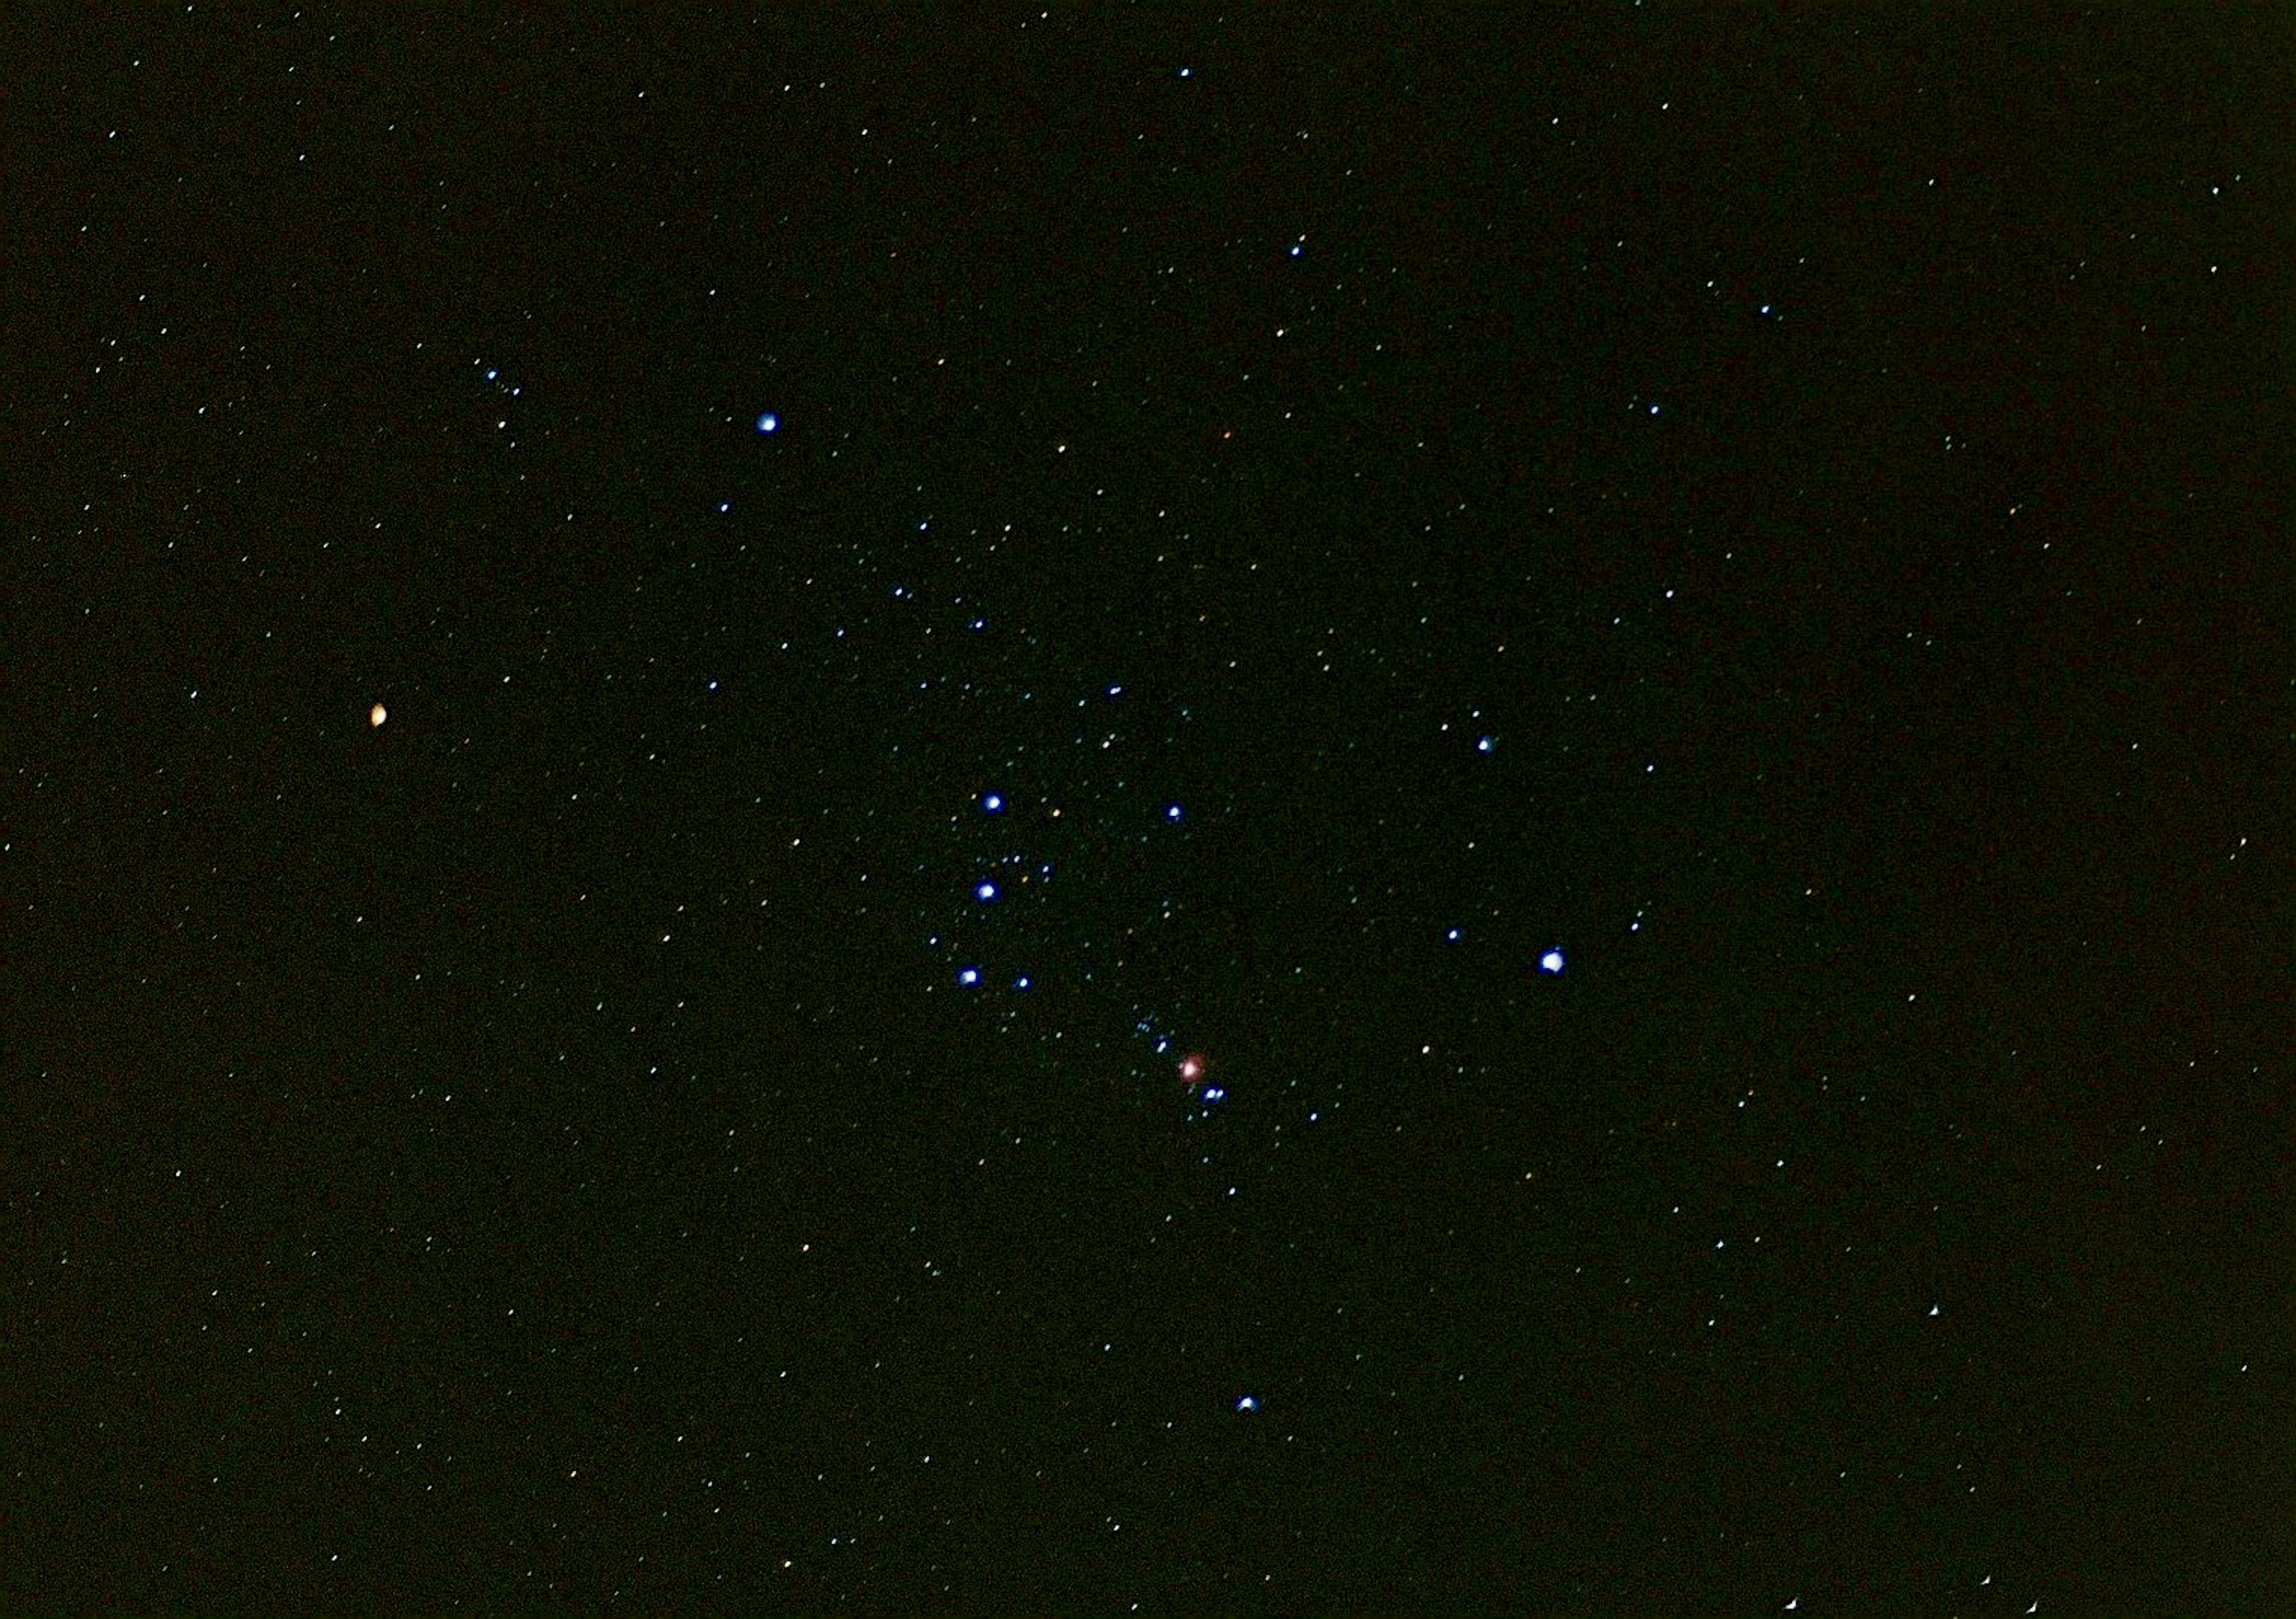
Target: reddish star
<point x="1192" y="1069"/>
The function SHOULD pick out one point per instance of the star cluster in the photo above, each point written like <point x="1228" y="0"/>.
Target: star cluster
<point x="1149" y="811"/>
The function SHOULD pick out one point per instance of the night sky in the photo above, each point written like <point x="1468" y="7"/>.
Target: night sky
<point x="1128" y="808"/>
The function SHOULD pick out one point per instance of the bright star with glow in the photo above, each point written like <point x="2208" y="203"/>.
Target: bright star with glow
<point x="768" y="422"/>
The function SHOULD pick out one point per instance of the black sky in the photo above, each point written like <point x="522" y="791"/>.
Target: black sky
<point x="1790" y="516"/>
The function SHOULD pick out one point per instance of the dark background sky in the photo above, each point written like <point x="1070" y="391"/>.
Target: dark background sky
<point x="1790" y="515"/>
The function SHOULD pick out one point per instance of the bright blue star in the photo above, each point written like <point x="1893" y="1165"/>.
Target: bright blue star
<point x="768" y="422"/>
<point x="968" y="974"/>
<point x="992" y="802"/>
<point x="1171" y="812"/>
<point x="1247" y="1402"/>
<point x="1551" y="962"/>
<point x="984" y="890"/>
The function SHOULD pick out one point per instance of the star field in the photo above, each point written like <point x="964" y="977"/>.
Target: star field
<point x="1184" y="812"/>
